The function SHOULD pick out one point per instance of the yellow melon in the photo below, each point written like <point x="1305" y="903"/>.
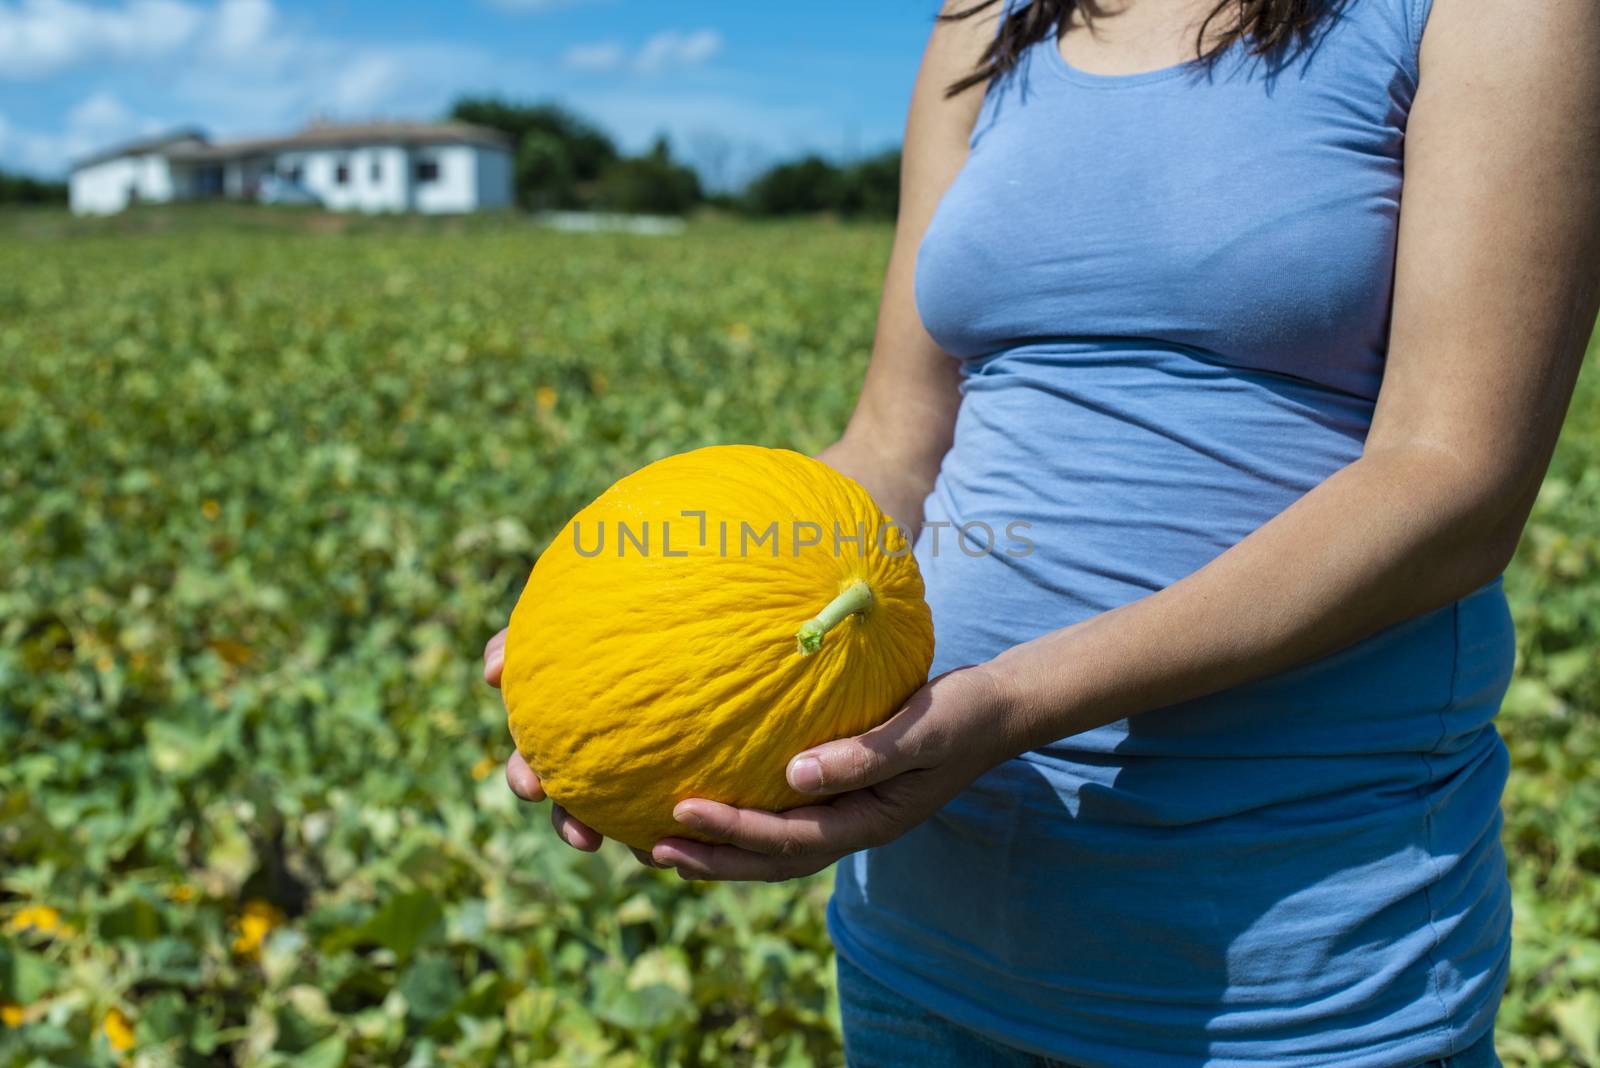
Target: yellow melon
<point x="701" y="622"/>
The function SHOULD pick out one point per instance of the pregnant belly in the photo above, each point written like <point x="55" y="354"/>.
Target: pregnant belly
<point x="1083" y="477"/>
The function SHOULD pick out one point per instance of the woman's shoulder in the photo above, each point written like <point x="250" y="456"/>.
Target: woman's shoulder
<point x="1395" y="24"/>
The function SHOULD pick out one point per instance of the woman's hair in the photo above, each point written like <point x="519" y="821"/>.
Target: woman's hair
<point x="1270" y="27"/>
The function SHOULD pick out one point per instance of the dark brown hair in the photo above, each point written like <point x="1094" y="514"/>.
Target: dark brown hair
<point x="1269" y="27"/>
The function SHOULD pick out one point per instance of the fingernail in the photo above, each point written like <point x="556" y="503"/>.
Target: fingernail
<point x="805" y="775"/>
<point x="688" y="817"/>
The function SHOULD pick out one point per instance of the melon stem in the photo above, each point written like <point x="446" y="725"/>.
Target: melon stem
<point x="856" y="597"/>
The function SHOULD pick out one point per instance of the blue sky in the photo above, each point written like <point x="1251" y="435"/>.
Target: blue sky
<point x="734" y="84"/>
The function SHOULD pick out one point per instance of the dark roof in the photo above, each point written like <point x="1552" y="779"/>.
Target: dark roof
<point x="145" y="145"/>
<point x="349" y="136"/>
<point x="191" y="143"/>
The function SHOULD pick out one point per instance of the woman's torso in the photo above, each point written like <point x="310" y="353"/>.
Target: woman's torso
<point x="1170" y="297"/>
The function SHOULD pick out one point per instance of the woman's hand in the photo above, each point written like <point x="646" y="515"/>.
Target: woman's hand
<point x="883" y="783"/>
<point x="525" y="783"/>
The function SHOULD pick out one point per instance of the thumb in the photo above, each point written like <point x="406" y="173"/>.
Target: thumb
<point x="859" y="762"/>
<point x="494" y="659"/>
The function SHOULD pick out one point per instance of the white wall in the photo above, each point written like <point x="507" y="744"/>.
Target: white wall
<point x="471" y="178"/>
<point x="103" y="188"/>
<point x="376" y="181"/>
<point x="381" y="178"/>
<point x="388" y="188"/>
<point x="457" y="187"/>
<point x="494" y="178"/>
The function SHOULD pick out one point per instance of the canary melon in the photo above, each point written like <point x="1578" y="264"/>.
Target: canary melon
<point x="701" y="622"/>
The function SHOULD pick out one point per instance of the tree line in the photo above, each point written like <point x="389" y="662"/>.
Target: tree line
<point x="21" y="189"/>
<point x="566" y="162"/>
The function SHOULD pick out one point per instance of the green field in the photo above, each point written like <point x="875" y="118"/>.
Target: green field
<point x="267" y="482"/>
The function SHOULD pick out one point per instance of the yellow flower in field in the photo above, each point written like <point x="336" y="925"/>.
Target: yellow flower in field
<point x="546" y="398"/>
<point x="484" y="768"/>
<point x="210" y="509"/>
<point x="182" y="893"/>
<point x="233" y="653"/>
<point x="40" y="918"/>
<point x="740" y="332"/>
<point x="10" y="1014"/>
<point x="256" y="921"/>
<point x="119" y="1030"/>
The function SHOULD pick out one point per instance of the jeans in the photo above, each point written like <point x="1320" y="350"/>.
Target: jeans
<point x="884" y="1030"/>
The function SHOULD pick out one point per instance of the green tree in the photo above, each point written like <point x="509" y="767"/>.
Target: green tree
<point x="544" y="176"/>
<point x="653" y="183"/>
<point x="805" y="185"/>
<point x="869" y="187"/>
<point x="587" y="149"/>
<point x="21" y="189"/>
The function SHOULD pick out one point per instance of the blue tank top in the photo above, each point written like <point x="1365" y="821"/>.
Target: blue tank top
<point x="1170" y="293"/>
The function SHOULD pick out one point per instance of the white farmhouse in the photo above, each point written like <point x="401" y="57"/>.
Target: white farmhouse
<point x="386" y="166"/>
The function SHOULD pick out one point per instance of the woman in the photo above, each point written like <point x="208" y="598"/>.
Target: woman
<point x="1209" y="775"/>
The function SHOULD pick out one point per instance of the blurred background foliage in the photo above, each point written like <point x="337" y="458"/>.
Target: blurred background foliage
<point x="565" y="162"/>
<point x="26" y="189"/>
<point x="267" y="482"/>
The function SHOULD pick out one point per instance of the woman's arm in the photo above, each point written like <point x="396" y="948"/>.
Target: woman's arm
<point x="1497" y="282"/>
<point x="903" y="421"/>
<point x="1495" y="297"/>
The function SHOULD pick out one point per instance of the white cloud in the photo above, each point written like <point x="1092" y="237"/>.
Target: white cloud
<point x="365" y="83"/>
<point x="95" y="121"/>
<point x="668" y="50"/>
<point x="43" y="37"/>
<point x="236" y="63"/>
<point x="39" y="37"/>
<point x="672" y="49"/>
<point x="241" y="28"/>
<point x="101" y="114"/>
<point x="602" y="56"/>
<point x="238" y="69"/>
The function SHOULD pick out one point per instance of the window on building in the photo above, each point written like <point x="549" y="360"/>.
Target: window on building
<point x="377" y="170"/>
<point x="341" y="174"/>
<point x="427" y="170"/>
<point x="295" y="174"/>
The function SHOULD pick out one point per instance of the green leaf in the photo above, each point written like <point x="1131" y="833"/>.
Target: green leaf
<point x="1578" y="1020"/>
<point x="180" y="750"/>
<point x="329" y="1053"/>
<point x="135" y="919"/>
<point x="653" y="1008"/>
<point x="171" y="960"/>
<point x="403" y="923"/>
<point x="430" y="987"/>
<point x="25" y="976"/>
<point x="163" y="1018"/>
